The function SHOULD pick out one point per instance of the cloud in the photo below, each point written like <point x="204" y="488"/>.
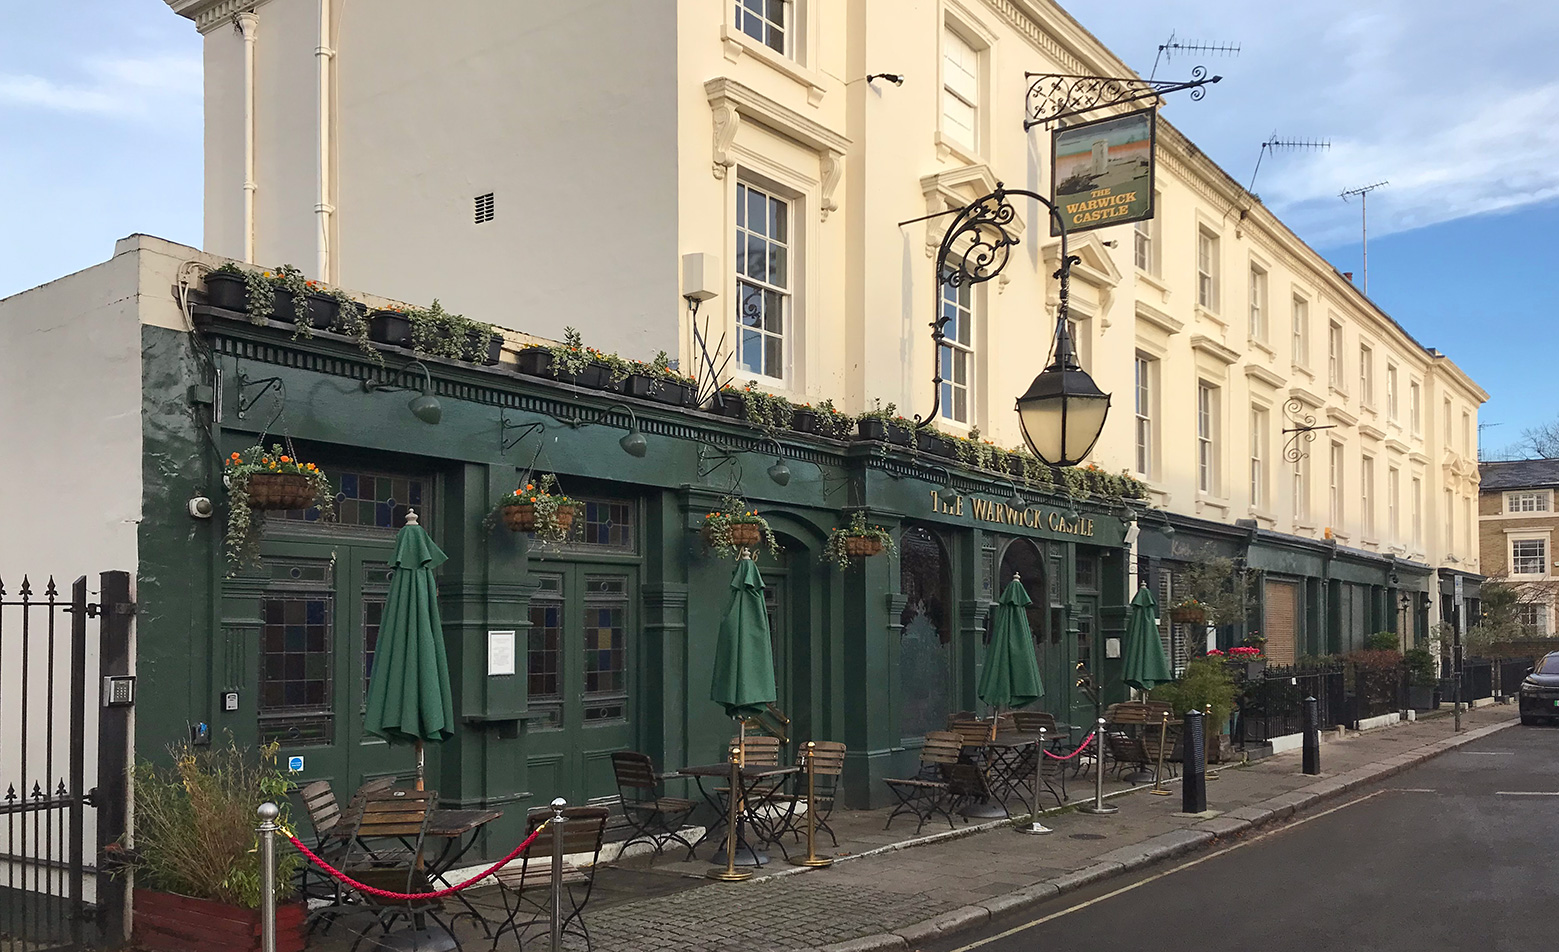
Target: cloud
<point x="120" y="87"/>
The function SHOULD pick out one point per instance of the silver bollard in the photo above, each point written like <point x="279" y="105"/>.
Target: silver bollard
<point x="557" y="874"/>
<point x="267" y="830"/>
<point x="1034" y="826"/>
<point x="1098" y="807"/>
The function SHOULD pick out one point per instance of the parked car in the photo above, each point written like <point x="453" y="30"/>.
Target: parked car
<point x="1540" y="691"/>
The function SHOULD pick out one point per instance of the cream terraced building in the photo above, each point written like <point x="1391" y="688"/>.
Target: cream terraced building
<point x="592" y="164"/>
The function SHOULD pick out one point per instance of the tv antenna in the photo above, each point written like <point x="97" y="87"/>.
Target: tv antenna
<point x="1171" y="46"/>
<point x="1275" y="143"/>
<point x="1364" y="229"/>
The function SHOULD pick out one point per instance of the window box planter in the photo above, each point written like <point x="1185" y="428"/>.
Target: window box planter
<point x="884" y="431"/>
<point x="732" y="405"/>
<point x="934" y="443"/>
<point x="230" y="293"/>
<point x="167" y="922"/>
<point x="803" y="420"/>
<point x="487" y="354"/>
<point x="669" y="392"/>
<point x="227" y="291"/>
<point x="389" y="327"/>
<point x="1188" y="616"/>
<point x="538" y="362"/>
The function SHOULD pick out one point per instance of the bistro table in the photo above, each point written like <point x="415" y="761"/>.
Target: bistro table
<point x="751" y="778"/>
<point x="458" y="829"/>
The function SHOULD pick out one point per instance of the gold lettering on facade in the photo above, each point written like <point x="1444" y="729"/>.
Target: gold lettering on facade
<point x="1000" y="513"/>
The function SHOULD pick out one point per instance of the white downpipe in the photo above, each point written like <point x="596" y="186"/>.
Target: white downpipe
<point x="322" y="207"/>
<point x="249" y="26"/>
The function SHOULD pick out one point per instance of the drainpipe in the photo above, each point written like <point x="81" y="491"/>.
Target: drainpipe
<point x="248" y="26"/>
<point x="322" y="207"/>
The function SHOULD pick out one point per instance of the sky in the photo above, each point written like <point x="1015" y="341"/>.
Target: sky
<point x="1456" y="105"/>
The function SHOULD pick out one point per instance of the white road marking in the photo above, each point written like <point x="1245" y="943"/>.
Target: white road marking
<point x="1526" y="793"/>
<point x="1168" y="872"/>
<point x="1412" y="790"/>
<point x="1490" y="753"/>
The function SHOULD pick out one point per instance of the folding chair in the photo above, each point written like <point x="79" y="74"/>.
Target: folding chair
<point x="1029" y="722"/>
<point x="973" y="731"/>
<point x="926" y="793"/>
<point x="400" y="816"/>
<point x="653" y="817"/>
<point x="526" y="882"/>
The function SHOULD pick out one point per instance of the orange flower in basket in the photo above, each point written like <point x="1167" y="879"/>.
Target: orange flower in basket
<point x="285" y="460"/>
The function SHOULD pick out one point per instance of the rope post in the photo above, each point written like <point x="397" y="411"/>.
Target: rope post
<point x="1158" y="775"/>
<point x="267" y="830"/>
<point x="730" y="874"/>
<point x="1034" y="826"/>
<point x="1098" y="807"/>
<point x="812" y="858"/>
<point x="557" y="873"/>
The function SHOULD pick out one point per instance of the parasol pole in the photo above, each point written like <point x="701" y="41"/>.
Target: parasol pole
<point x="421" y="762"/>
<point x="1158" y="776"/>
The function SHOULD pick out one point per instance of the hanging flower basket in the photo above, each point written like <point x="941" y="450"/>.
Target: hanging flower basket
<point x="1188" y="614"/>
<point x="733" y="528"/>
<point x="536" y="507"/>
<point x="279" y="492"/>
<point x="857" y="541"/>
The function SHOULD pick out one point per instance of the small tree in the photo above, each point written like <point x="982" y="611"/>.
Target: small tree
<point x="1220" y="585"/>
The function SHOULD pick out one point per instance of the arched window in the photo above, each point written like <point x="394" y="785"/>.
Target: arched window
<point x="925" y="653"/>
<point x="1022" y="558"/>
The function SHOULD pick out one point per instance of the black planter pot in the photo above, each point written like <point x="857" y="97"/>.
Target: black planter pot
<point x="535" y="361"/>
<point x="934" y="443"/>
<point x="389" y="327"/>
<point x="227" y="291"/>
<point x="674" y="393"/>
<point x="660" y="390"/>
<point x="900" y="434"/>
<point x="1422" y="697"/>
<point x="487" y="352"/>
<point x="318" y="310"/>
<point x="732" y="405"/>
<point x="803" y="420"/>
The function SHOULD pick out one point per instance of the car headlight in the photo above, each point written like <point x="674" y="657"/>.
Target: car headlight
<point x="1528" y="687"/>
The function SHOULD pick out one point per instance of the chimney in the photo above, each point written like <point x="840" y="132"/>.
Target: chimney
<point x="1348" y="275"/>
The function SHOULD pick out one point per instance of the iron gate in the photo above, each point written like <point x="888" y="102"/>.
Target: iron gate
<point x="60" y="806"/>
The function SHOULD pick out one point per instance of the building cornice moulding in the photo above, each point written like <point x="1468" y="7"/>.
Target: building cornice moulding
<point x="1343" y="417"/>
<point x="1371" y="432"/>
<point x="731" y="103"/>
<point x="957" y="188"/>
<point x="1305" y="397"/>
<point x="210" y="14"/>
<point x="1219" y="352"/>
<point x="1262" y="375"/>
<point x="1159" y="319"/>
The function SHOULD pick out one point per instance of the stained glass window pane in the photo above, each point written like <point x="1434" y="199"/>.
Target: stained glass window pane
<point x="925" y="653"/>
<point x="372" y="500"/>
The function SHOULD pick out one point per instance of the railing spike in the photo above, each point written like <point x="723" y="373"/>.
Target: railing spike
<point x="10" y="793"/>
<point x="26" y="589"/>
<point x="52" y="590"/>
<point x="2" y="588"/>
<point x="37" y="791"/>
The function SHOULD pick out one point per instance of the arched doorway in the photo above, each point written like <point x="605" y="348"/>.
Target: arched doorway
<point x="925" y="646"/>
<point x="1024" y="559"/>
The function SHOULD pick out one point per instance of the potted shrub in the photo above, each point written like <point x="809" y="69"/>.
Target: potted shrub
<point x="832" y="423"/>
<point x="883" y="424"/>
<point x="1422" y="671"/>
<point x="1247" y="661"/>
<point x="1204" y="683"/>
<point x="803" y="419"/>
<point x="195" y="852"/>
<point x="540" y="508"/>
<point x="260" y="481"/>
<point x="569" y="361"/>
<point x="733" y="528"/>
<point x="856" y="541"/>
<point x="439" y="333"/>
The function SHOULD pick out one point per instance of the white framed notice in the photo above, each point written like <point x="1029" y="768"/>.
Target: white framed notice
<point x="500" y="653"/>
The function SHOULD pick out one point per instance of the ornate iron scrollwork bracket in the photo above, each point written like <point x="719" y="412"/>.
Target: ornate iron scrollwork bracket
<point x="1303" y="430"/>
<point x="1056" y="96"/>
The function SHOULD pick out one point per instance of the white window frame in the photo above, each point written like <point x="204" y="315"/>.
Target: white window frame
<point x="786" y="292"/>
<point x="1144" y="241"/>
<point x="1336" y="480"/>
<point x="1207" y="253"/>
<point x="1145" y="406"/>
<point x="1446" y="404"/>
<point x="1367" y="494"/>
<point x="964" y="302"/>
<point x="1366" y="375"/>
<point x="1301" y="331"/>
<point x="1415" y="407"/>
<point x="961" y="82"/>
<point x="1539" y="617"/>
<point x="1527" y="500"/>
<point x="1392" y="409"/>
<point x="1467" y="443"/>
<point x="1207" y="442"/>
<point x="1450" y="523"/>
<point x="1259" y="428"/>
<point x="1258" y="303"/>
<point x="743" y="17"/>
<point x="1528" y="560"/>
<point x="1394" y="503"/>
<point x="1334" y="345"/>
<point x="1299" y="486"/>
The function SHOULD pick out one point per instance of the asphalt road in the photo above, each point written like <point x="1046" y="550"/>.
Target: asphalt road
<point x="1449" y="855"/>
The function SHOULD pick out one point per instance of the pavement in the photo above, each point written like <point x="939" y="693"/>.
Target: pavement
<point x="1448" y="855"/>
<point x="895" y="891"/>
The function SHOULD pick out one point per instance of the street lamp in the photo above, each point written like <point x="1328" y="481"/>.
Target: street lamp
<point x="1063" y="412"/>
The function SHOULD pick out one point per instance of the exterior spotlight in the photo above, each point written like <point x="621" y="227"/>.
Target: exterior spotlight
<point x="1016" y="500"/>
<point x="779" y="472"/>
<point x="425" y="406"/>
<point x="633" y="442"/>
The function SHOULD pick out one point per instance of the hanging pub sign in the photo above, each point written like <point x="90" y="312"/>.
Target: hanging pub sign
<point x="1101" y="172"/>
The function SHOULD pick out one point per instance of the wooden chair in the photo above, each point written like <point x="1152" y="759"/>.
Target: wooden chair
<point x="319" y="801"/>
<point x="1029" y="722"/>
<point x="1128" y="725"/>
<point x="973" y="731"/>
<point x="926" y="794"/>
<point x="828" y="768"/>
<point x="653" y="817"/>
<point x="526" y="882"/>
<point x="394" y="816"/>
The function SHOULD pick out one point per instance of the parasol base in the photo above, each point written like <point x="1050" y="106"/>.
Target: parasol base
<point x="728" y="875"/>
<point x="416" y="940"/>
<point x="1159" y="793"/>
<point x="1034" y="829"/>
<point x="983" y="811"/>
<point x="1103" y="809"/>
<point x="816" y="862"/>
<point x="744" y="857"/>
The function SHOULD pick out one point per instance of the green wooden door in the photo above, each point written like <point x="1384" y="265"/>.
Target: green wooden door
<point x="319" y="620"/>
<point x="577" y="665"/>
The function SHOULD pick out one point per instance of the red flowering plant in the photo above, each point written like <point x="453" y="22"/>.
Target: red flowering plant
<point x="1244" y="653"/>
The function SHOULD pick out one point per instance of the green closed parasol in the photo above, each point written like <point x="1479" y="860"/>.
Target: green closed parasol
<point x="1010" y="678"/>
<point x="744" y="656"/>
<point x="1144" y="663"/>
<point x="408" y="689"/>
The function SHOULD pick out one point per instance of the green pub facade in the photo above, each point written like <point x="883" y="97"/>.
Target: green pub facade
<point x="562" y="653"/>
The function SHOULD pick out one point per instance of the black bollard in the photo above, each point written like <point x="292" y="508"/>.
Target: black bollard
<point x="1193" y="785"/>
<point x="1312" y="741"/>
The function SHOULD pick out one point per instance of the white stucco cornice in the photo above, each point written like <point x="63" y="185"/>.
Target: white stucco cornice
<point x="731" y="103"/>
<point x="1341" y="417"/>
<point x="1262" y="375"/>
<point x="953" y="189"/>
<point x="1159" y="319"/>
<point x="210" y="14"/>
<point x="1371" y="432"/>
<point x="1311" y="400"/>
<point x="1206" y="345"/>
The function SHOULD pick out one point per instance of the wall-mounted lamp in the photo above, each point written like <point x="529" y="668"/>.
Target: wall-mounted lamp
<point x="1168" y="531"/>
<point x="425" y="406"/>
<point x="896" y="79"/>
<point x="780" y="471"/>
<point x="1016" y="500"/>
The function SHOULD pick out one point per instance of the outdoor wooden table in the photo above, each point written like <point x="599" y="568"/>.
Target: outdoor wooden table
<point x="457" y="828"/>
<point x="1008" y="761"/>
<point x="750" y="778"/>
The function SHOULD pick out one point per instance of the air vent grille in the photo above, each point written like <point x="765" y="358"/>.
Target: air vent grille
<point x="484" y="208"/>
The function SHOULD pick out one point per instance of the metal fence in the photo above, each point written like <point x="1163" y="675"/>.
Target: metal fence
<point x="1273" y="705"/>
<point x="1477" y="679"/>
<point x="1378" y="690"/>
<point x="1508" y="675"/>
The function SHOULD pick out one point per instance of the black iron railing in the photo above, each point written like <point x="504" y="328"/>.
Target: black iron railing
<point x="1273" y="705"/>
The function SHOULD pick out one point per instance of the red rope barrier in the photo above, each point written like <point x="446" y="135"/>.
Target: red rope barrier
<point x="386" y="894"/>
<point x="1075" y="752"/>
